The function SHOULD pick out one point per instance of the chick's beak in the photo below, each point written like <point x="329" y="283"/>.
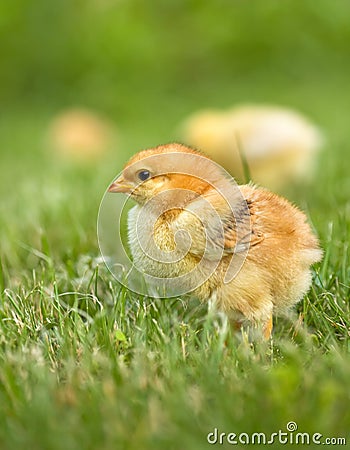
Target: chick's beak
<point x="120" y="185"/>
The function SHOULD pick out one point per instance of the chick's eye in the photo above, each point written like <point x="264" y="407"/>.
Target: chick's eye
<point x="144" y="174"/>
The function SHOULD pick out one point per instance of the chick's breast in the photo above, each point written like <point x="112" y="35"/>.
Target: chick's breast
<point x="154" y="245"/>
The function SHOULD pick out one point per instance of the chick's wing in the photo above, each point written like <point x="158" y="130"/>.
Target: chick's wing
<point x="215" y="228"/>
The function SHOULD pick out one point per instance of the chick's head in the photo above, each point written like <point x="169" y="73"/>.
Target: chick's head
<point x="174" y="173"/>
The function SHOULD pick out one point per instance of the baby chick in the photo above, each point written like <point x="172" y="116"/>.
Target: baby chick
<point x="80" y="136"/>
<point x="280" y="145"/>
<point x="241" y="248"/>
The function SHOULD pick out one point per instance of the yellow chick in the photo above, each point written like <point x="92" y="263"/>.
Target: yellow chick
<point x="242" y="248"/>
<point x="80" y="136"/>
<point x="279" y="144"/>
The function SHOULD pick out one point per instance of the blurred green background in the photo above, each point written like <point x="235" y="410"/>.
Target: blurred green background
<point x="148" y="64"/>
<point x="145" y="66"/>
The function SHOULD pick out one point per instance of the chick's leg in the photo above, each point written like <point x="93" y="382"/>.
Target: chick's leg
<point x="267" y="328"/>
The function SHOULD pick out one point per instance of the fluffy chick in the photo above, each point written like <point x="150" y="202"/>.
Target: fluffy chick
<point x="80" y="136"/>
<point x="279" y="144"/>
<point x="276" y="249"/>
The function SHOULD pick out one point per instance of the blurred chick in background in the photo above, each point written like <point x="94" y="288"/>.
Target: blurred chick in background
<point x="280" y="145"/>
<point x="280" y="244"/>
<point x="80" y="136"/>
